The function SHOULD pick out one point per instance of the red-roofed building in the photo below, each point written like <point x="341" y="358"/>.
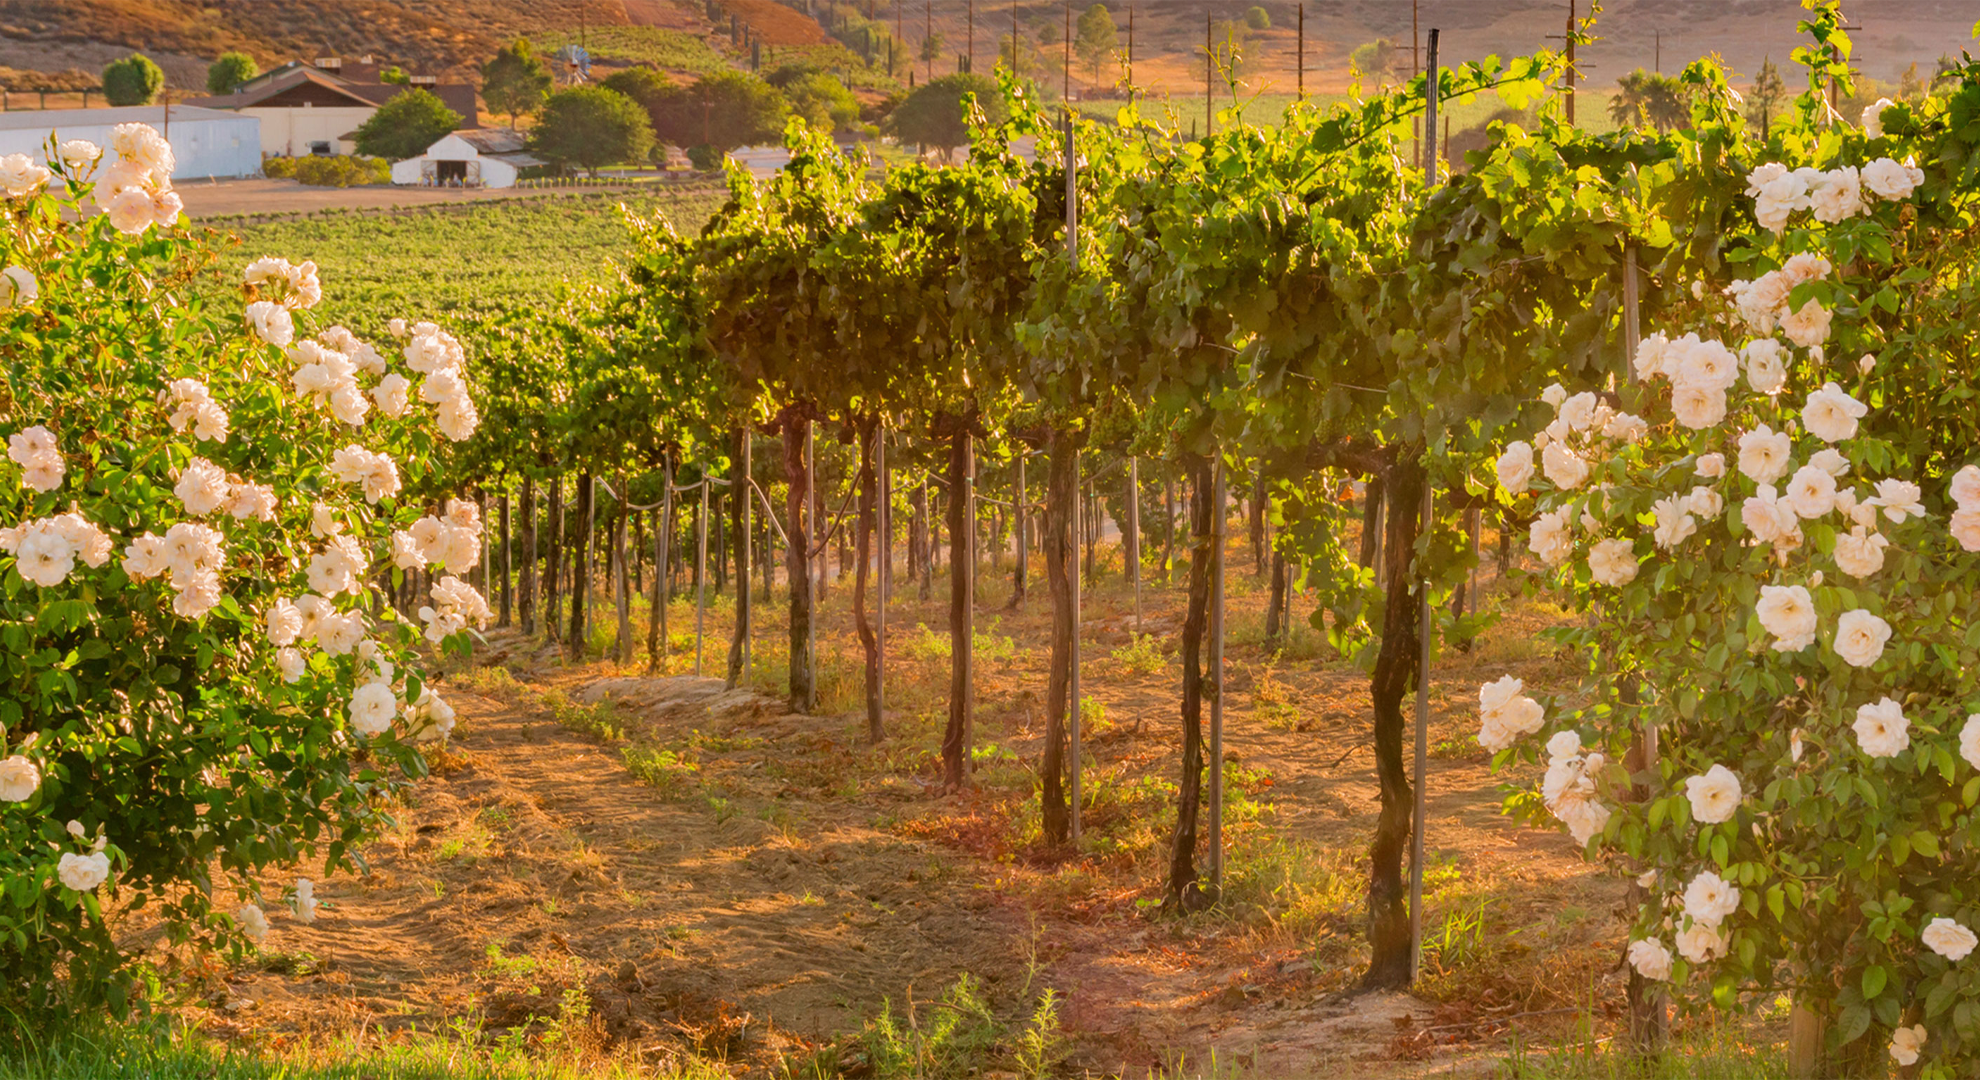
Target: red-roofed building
<point x="317" y="108"/>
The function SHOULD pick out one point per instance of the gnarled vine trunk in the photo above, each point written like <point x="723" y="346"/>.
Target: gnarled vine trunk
<point x="526" y="588"/>
<point x="869" y="643"/>
<point x="575" y="640"/>
<point x="797" y="558"/>
<point x="1396" y="663"/>
<point x="553" y="573"/>
<point x="962" y="605"/>
<point x="1182" y="890"/>
<point x="739" y="507"/>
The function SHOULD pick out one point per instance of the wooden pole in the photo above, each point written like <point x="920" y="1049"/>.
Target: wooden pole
<point x="1426" y="628"/>
<point x="1131" y="549"/>
<point x="623" y="582"/>
<point x="1073" y="725"/>
<point x="804" y="538"/>
<point x="884" y="526"/>
<point x="700" y="573"/>
<point x="1218" y="526"/>
<point x="1302" y="52"/>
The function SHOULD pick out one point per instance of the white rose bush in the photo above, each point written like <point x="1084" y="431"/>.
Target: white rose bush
<point x="202" y="674"/>
<point x="1783" y="561"/>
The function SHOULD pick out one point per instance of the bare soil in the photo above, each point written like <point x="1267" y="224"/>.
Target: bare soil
<point x="761" y="896"/>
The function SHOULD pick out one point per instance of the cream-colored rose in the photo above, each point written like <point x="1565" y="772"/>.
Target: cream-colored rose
<point x="1882" y="729"/>
<point x="1563" y="466"/>
<point x="1711" y="466"/>
<point x="1811" y="492"/>
<point x="1808" y="326"/>
<point x="83" y="873"/>
<point x="1701" y="944"/>
<point x="1888" y="179"/>
<point x="1714" y="796"/>
<point x="1709" y="899"/>
<point x="1766" y="365"/>
<point x="1650" y="959"/>
<point x="1788" y="613"/>
<point x="1831" y="414"/>
<point x="19" y="779"/>
<point x="1860" y="637"/>
<point x="1613" y="562"/>
<point x="1763" y="454"/>
<point x="1550" y="538"/>
<point x="1949" y="939"/>
<point x="1674" y="521"/>
<point x="1906" y="1042"/>
<point x="1860" y="552"/>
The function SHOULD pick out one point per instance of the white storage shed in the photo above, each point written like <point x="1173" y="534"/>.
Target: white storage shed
<point x="205" y="142"/>
<point x="483" y="157"/>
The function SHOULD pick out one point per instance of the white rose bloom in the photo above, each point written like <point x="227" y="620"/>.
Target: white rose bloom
<point x="197" y="595"/>
<point x="1761" y="176"/>
<point x="1969" y="741"/>
<point x="251" y="501"/>
<point x="1650" y="353"/>
<point x="405" y="551"/>
<point x="282" y="622"/>
<point x="1550" y="538"/>
<point x="78" y="155"/>
<point x="1811" y="492"/>
<point x="1624" y="427"/>
<point x="323" y="523"/>
<point x="1650" y="959"/>
<point x="1788" y="613"/>
<point x="390" y="395"/>
<point x="373" y="707"/>
<point x="1763" y="454"/>
<point x="349" y="404"/>
<point x="1831" y="414"/>
<point x="1808" y="327"/>
<point x="1965" y="488"/>
<point x="1563" y="466"/>
<point x="20" y="779"/>
<point x="1838" y="196"/>
<point x="1762" y="303"/>
<point x="253" y="922"/>
<point x="306" y="900"/>
<point x="1794" y="745"/>
<point x="1899" y="498"/>
<point x="1714" y="796"/>
<point x="1706" y="363"/>
<point x="1698" y="407"/>
<point x="271" y="322"/>
<point x="1564" y="744"/>
<point x="1515" y="468"/>
<point x="1806" y="266"/>
<point x="1701" y="944"/>
<point x="1860" y="637"/>
<point x="1882" y="729"/>
<point x="1860" y="553"/>
<point x="1613" y="562"/>
<point x="1966" y="527"/>
<point x="1949" y="939"/>
<point x="1554" y="394"/>
<point x="338" y="635"/>
<point x="1766" y="366"/>
<point x="1675" y="524"/>
<point x="1704" y="502"/>
<point x="1777" y="198"/>
<point x="1906" y="1042"/>
<point x="1889" y="180"/>
<point x="1709" y="899"/>
<point x="165" y="209"/>
<point x="18" y="287"/>
<point x="131" y="211"/>
<point x="457" y="419"/>
<point x="202" y="487"/>
<point x="1578" y="411"/>
<point x="1711" y="466"/>
<point x="290" y="663"/>
<point x="83" y="873"/>
<point x="1584" y="818"/>
<point x="1873" y="117"/>
<point x="21" y="175"/>
<point x="43" y="555"/>
<point x="1830" y="460"/>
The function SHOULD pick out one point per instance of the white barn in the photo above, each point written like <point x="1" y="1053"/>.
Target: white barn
<point x="483" y="157"/>
<point x="205" y="142"/>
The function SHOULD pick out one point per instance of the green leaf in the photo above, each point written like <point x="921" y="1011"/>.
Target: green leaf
<point x="1874" y="979"/>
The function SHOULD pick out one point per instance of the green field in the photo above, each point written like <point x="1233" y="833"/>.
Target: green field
<point x="668" y="50"/>
<point x="1266" y="109"/>
<point x="433" y="261"/>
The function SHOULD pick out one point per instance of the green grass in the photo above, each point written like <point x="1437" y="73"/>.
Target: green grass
<point x="156" y="1052"/>
<point x="1267" y="109"/>
<point x="432" y="261"/>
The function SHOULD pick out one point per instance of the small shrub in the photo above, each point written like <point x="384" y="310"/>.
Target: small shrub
<point x="1142" y="655"/>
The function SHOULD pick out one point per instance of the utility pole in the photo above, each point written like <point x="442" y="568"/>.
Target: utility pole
<point x="972" y="35"/>
<point x="1660" y="52"/>
<point x="1209" y="86"/>
<point x="1130" y="53"/>
<point x="1570" y="64"/>
<point x="1065" y="79"/>
<point x="927" y="32"/>
<point x="1301" y="76"/>
<point x="1014" y="39"/>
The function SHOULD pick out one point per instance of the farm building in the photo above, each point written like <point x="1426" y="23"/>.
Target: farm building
<point x="317" y="108"/>
<point x="490" y="158"/>
<point x="205" y="142"/>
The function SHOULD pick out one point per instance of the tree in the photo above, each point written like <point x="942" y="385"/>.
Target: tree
<point x="395" y="76"/>
<point x="722" y="110"/>
<point x="823" y="101"/>
<point x="589" y="126"/>
<point x="1644" y="97"/>
<point x="935" y="114"/>
<point x="403" y="127"/>
<point x="642" y="84"/>
<point x="515" y="80"/>
<point x="229" y="71"/>
<point x="1767" y="97"/>
<point x="1097" y="39"/>
<point x="134" y="80"/>
<point x="1258" y="18"/>
<point x="1376" y="59"/>
<point x="931" y="51"/>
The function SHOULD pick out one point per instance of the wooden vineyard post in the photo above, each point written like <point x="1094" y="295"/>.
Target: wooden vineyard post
<point x="1017" y="530"/>
<point x="742" y="487"/>
<point x="526" y="583"/>
<point x="1425" y="628"/>
<point x="1131" y="548"/>
<point x="553" y="570"/>
<point x="502" y="508"/>
<point x="804" y="540"/>
<point x="884" y="525"/>
<point x="622" y="581"/>
<point x="700" y="573"/>
<point x="587" y="552"/>
<point x="1218" y="526"/>
<point x="1078" y="526"/>
<point x="663" y="530"/>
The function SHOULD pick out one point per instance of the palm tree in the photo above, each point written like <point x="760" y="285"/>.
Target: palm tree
<point x="1646" y="99"/>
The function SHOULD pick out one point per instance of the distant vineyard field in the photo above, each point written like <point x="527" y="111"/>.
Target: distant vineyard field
<point x="669" y="50"/>
<point x="435" y="261"/>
